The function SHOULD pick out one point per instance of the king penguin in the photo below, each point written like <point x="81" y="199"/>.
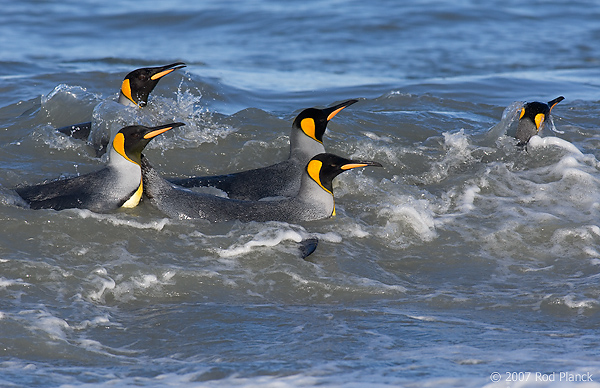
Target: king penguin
<point x="119" y="184"/>
<point x="281" y="179"/>
<point x="314" y="200"/>
<point x="532" y="118"/>
<point x="135" y="90"/>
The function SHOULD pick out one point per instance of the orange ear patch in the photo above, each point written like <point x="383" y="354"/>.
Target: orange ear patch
<point x="119" y="146"/>
<point x="314" y="170"/>
<point x="309" y="128"/>
<point x="539" y="119"/>
<point x="126" y="90"/>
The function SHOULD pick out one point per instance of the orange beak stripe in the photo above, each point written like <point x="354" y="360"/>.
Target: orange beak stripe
<point x="353" y="165"/>
<point x="335" y="112"/>
<point x="161" y="74"/>
<point x="157" y="132"/>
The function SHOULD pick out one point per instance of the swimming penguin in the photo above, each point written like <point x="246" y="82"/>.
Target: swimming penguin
<point x="314" y="201"/>
<point x="135" y="89"/>
<point x="532" y="118"/>
<point x="117" y="185"/>
<point x="281" y="179"/>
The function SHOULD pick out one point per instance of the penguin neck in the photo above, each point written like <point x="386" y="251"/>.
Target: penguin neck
<point x="314" y="195"/>
<point x="154" y="184"/>
<point x="303" y="147"/>
<point x="125" y="167"/>
<point x="126" y="101"/>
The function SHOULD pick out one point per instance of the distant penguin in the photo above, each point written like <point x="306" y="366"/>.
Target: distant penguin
<point x="314" y="200"/>
<point x="532" y="118"/>
<point x="135" y="89"/>
<point x="281" y="179"/>
<point x="117" y="185"/>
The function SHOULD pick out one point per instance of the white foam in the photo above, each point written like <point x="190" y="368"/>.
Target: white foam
<point x="569" y="301"/>
<point x="267" y="238"/>
<point x="104" y="285"/>
<point x="467" y="200"/>
<point x="4" y="282"/>
<point x="117" y="220"/>
<point x="551" y="141"/>
<point x="403" y="214"/>
<point x="64" y="89"/>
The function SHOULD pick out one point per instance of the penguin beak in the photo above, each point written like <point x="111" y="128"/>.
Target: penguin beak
<point x="552" y="103"/>
<point x="164" y="70"/>
<point x="334" y="110"/>
<point x="155" y="131"/>
<point x="355" y="164"/>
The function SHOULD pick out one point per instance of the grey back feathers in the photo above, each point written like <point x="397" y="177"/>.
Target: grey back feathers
<point x="116" y="185"/>
<point x="281" y="179"/>
<point x="313" y="201"/>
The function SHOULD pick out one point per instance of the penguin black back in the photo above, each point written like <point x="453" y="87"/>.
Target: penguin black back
<point x="314" y="200"/>
<point x="280" y="179"/>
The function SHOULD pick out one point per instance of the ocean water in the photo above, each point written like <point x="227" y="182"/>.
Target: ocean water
<point x="464" y="262"/>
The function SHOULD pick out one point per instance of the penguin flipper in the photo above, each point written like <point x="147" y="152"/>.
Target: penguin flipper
<point x="79" y="131"/>
<point x="308" y="246"/>
<point x="221" y="182"/>
<point x="54" y="195"/>
<point x="76" y="192"/>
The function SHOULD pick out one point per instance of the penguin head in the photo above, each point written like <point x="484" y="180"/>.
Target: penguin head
<point x="138" y="84"/>
<point x="532" y="118"/>
<point x="130" y="141"/>
<point x="312" y="122"/>
<point x="324" y="167"/>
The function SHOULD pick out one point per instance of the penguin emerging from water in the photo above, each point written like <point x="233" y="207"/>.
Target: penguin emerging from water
<point x="314" y="200"/>
<point x="117" y="185"/>
<point x="135" y="89"/>
<point x="532" y="118"/>
<point x="281" y="179"/>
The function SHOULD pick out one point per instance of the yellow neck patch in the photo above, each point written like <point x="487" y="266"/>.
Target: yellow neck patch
<point x="119" y="146"/>
<point x="135" y="198"/>
<point x="314" y="169"/>
<point x="308" y="127"/>
<point x="522" y="113"/>
<point x="126" y="90"/>
<point x="539" y="119"/>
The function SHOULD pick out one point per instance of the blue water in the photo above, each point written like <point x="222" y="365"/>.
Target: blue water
<point x="461" y="258"/>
